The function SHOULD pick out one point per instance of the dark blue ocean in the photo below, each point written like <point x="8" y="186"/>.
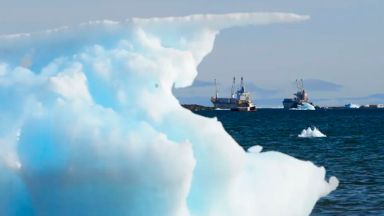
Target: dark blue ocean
<point x="353" y="150"/>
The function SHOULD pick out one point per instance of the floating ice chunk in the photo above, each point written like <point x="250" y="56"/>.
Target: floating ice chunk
<point x="255" y="149"/>
<point x="311" y="133"/>
<point x="352" y="106"/>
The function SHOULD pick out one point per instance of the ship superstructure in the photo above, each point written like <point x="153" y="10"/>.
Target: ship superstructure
<point x="300" y="101"/>
<point x="239" y="100"/>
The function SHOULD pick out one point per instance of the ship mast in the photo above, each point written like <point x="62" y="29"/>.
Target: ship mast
<point x="233" y="87"/>
<point x="216" y="93"/>
<point x="242" y="85"/>
<point x="300" y="84"/>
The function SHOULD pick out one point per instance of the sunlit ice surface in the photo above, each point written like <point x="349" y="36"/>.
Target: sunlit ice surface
<point x="89" y="126"/>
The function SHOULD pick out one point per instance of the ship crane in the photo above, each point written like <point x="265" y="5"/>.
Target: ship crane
<point x="300" y="84"/>
<point x="216" y="92"/>
<point x="233" y="88"/>
<point x="242" y="85"/>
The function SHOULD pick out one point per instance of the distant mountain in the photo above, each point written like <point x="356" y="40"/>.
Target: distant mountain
<point x="377" y="96"/>
<point x="202" y="83"/>
<point x="253" y="88"/>
<point x="205" y="101"/>
<point x="321" y="85"/>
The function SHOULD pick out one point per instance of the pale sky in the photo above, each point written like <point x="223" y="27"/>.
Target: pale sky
<point x="339" y="52"/>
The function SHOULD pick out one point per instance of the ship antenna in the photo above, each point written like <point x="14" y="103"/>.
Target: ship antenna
<point x="242" y="83"/>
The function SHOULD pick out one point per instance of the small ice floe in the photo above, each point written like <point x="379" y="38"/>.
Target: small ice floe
<point x="311" y="133"/>
<point x="255" y="149"/>
<point x="352" y="106"/>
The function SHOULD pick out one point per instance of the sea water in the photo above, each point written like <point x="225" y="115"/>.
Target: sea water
<point x="353" y="150"/>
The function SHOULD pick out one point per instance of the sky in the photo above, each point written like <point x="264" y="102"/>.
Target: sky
<point x="339" y="52"/>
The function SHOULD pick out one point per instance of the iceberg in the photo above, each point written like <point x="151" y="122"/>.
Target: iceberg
<point x="304" y="106"/>
<point x="89" y="126"/>
<point x="352" y="106"/>
<point x="311" y="133"/>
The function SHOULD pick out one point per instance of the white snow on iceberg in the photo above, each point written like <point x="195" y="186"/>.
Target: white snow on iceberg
<point x="311" y="133"/>
<point x="89" y="125"/>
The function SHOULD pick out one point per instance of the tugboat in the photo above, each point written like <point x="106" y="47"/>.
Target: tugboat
<point x="238" y="101"/>
<point x="300" y="101"/>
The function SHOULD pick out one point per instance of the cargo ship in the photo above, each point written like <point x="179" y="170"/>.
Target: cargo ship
<point x="239" y="100"/>
<point x="301" y="99"/>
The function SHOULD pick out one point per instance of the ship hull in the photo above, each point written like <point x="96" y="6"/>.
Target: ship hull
<point x="245" y="109"/>
<point x="232" y="104"/>
<point x="289" y="103"/>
